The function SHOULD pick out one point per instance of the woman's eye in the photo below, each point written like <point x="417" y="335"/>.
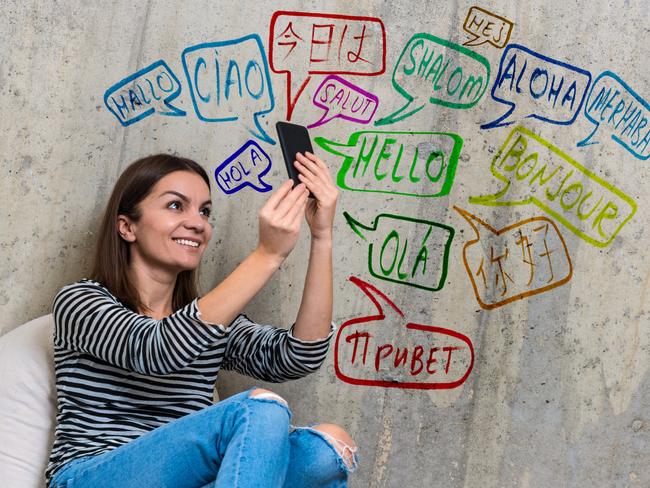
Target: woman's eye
<point x="176" y="205"/>
<point x="206" y="212"/>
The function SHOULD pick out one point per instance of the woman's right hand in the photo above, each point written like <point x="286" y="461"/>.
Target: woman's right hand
<point x="280" y="219"/>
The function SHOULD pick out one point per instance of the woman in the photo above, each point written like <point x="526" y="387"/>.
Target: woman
<point x="137" y="353"/>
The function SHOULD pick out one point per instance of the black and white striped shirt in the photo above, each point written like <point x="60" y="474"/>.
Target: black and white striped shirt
<point x="120" y="374"/>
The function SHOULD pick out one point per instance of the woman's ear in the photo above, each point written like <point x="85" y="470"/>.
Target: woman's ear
<point x="125" y="228"/>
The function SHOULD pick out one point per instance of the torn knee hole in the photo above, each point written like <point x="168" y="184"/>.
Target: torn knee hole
<point x="341" y="441"/>
<point x="262" y="394"/>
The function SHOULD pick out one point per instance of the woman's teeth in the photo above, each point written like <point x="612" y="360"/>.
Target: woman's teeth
<point x="187" y="243"/>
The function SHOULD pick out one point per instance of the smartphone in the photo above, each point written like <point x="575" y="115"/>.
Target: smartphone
<point x="294" y="139"/>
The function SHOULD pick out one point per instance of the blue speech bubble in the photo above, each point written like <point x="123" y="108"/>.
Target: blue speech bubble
<point x="629" y="116"/>
<point x="140" y="95"/>
<point x="247" y="164"/>
<point x="228" y="78"/>
<point x="554" y="88"/>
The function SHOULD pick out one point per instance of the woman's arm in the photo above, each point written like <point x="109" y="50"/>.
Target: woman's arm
<point x="279" y="222"/>
<point x="315" y="313"/>
<point x="268" y="353"/>
<point x="279" y="226"/>
<point x="90" y="320"/>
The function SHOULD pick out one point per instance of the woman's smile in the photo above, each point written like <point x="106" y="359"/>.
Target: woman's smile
<point x="193" y="244"/>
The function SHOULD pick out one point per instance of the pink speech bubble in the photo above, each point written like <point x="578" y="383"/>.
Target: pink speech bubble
<point x="340" y="98"/>
<point x="302" y="44"/>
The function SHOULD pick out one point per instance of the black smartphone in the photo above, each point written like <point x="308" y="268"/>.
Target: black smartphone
<point x="294" y="139"/>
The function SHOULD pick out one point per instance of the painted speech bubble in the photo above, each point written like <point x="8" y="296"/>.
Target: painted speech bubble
<point x="486" y="27"/>
<point x="144" y="93"/>
<point x="387" y="351"/>
<point x="421" y="164"/>
<point x="536" y="86"/>
<point x="340" y="98"/>
<point x="518" y="261"/>
<point x="245" y="167"/>
<point x="626" y="112"/>
<point x="229" y="81"/>
<point x="421" y="261"/>
<point x="440" y="72"/>
<point x="303" y="44"/>
<point x="534" y="171"/>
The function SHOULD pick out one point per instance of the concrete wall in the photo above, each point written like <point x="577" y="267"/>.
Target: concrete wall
<point x="539" y="310"/>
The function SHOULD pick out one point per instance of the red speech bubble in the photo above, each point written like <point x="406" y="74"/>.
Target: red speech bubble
<point x="302" y="44"/>
<point x="431" y="357"/>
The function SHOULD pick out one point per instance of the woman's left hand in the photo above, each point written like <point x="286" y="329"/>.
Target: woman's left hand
<point x="313" y="172"/>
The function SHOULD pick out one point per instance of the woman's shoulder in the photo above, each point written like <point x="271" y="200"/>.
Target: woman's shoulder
<point x="85" y="286"/>
<point x="82" y="295"/>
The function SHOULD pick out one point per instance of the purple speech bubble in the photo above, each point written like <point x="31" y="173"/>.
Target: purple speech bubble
<point x="244" y="168"/>
<point x="343" y="99"/>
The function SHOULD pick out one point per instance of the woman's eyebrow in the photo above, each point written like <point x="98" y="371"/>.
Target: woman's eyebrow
<point x="183" y="197"/>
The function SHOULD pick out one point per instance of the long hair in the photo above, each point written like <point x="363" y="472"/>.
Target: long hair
<point x="112" y="255"/>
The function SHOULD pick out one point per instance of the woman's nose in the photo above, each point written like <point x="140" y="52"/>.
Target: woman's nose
<point x="196" y="222"/>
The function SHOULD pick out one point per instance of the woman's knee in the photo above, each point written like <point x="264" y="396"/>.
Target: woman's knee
<point x="270" y="409"/>
<point x="262" y="394"/>
<point x="339" y="438"/>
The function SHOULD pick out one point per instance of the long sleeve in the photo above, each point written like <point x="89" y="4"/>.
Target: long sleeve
<point x="89" y="319"/>
<point x="272" y="354"/>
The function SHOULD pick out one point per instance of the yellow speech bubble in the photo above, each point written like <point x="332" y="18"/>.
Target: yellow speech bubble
<point x="534" y="171"/>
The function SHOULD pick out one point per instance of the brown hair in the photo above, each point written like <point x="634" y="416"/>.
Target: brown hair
<point x="112" y="256"/>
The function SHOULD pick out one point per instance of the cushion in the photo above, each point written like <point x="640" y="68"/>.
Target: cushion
<point x="27" y="403"/>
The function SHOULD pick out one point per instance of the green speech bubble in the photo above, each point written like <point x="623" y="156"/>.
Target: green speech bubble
<point x="406" y="250"/>
<point x="440" y="72"/>
<point x="535" y="171"/>
<point x="420" y="164"/>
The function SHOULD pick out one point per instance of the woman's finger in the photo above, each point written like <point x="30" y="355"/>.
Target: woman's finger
<point x="323" y="170"/>
<point x="297" y="211"/>
<point x="312" y="184"/>
<point x="315" y="159"/>
<point x="319" y="186"/>
<point x="304" y="171"/>
<point x="305" y="164"/>
<point x="289" y="200"/>
<point x="317" y="177"/>
<point x="311" y="162"/>
<point x="278" y="195"/>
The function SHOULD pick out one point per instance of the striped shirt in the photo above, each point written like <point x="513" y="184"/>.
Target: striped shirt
<point x="120" y="374"/>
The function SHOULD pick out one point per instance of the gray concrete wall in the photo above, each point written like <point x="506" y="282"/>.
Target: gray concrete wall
<point x="549" y="384"/>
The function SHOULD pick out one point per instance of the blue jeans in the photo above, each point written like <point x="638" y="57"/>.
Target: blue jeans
<point x="240" y="442"/>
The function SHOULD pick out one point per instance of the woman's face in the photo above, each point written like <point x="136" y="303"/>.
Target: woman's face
<point x="173" y="231"/>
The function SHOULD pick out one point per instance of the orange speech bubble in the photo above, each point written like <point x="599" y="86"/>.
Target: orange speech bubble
<point x="518" y="261"/>
<point x="302" y="44"/>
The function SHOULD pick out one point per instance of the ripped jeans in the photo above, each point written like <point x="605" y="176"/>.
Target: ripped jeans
<point x="240" y="442"/>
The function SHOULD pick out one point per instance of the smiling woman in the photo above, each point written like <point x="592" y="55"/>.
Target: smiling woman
<point x="169" y="235"/>
<point x="137" y="351"/>
<point x="147" y="201"/>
